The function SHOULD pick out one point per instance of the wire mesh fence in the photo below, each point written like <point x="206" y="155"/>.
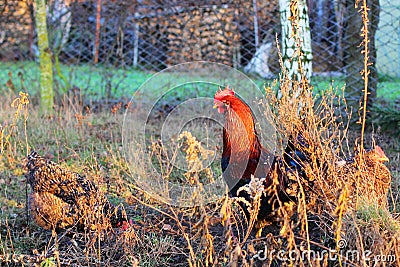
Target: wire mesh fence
<point x="152" y="35"/>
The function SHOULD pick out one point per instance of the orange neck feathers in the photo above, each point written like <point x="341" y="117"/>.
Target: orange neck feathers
<point x="239" y="130"/>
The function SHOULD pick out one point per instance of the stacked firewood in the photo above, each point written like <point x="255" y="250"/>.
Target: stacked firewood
<point x="15" y="29"/>
<point x="198" y="33"/>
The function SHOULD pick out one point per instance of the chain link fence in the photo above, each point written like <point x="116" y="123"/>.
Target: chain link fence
<point x="152" y="35"/>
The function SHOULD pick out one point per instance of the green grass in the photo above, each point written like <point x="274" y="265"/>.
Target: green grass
<point x="108" y="82"/>
<point x="94" y="81"/>
<point x="388" y="87"/>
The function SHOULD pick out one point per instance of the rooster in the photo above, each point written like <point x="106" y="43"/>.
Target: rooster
<point x="244" y="157"/>
<point x="367" y="175"/>
<point x="61" y="199"/>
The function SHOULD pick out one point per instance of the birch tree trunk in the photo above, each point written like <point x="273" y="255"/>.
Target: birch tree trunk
<point x="296" y="30"/>
<point x="46" y="65"/>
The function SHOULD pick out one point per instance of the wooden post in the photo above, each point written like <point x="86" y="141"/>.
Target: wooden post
<point x="256" y="34"/>
<point x="136" y="46"/>
<point x="97" y="40"/>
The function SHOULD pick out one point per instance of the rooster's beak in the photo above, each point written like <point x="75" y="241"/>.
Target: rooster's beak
<point x="384" y="158"/>
<point x="215" y="106"/>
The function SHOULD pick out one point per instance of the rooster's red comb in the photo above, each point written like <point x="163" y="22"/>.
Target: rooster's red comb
<point x="221" y="94"/>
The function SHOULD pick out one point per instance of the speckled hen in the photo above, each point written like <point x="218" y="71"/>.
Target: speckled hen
<point x="62" y="199"/>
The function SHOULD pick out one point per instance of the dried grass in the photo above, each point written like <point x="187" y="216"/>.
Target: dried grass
<point x="214" y="234"/>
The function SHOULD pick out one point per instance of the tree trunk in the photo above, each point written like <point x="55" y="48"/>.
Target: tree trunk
<point x="46" y="65"/>
<point x="354" y="59"/>
<point x="296" y="30"/>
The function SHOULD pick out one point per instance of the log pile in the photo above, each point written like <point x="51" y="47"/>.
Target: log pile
<point x="196" y="33"/>
<point x="16" y="31"/>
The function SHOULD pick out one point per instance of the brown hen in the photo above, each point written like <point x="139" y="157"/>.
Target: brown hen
<point x="63" y="199"/>
<point x="367" y="175"/>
